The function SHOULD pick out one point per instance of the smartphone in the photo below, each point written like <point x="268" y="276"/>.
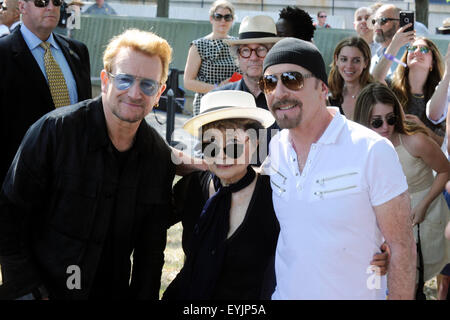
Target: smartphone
<point x="405" y="18"/>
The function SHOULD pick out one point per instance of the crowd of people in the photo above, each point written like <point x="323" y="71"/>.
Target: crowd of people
<point x="307" y="185"/>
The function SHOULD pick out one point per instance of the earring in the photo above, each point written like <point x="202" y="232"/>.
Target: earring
<point x="431" y="69"/>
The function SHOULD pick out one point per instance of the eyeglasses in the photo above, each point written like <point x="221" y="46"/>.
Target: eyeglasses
<point x="423" y="49"/>
<point x="382" y="21"/>
<point x="378" y="122"/>
<point x="44" y="3"/>
<point x="124" y="81"/>
<point x="292" y="80"/>
<point x="232" y="150"/>
<point x="246" y="52"/>
<point x="322" y="16"/>
<point x="227" y="17"/>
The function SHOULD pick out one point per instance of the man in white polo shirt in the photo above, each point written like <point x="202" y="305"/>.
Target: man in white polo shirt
<point x="338" y="190"/>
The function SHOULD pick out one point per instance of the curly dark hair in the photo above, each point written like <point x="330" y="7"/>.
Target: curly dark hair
<point x="301" y="22"/>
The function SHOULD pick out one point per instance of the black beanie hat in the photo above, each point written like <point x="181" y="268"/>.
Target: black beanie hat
<point x="299" y="52"/>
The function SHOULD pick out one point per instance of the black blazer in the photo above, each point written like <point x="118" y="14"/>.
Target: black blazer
<point x="24" y="92"/>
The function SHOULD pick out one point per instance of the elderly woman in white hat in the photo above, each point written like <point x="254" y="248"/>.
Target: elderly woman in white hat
<point x="229" y="225"/>
<point x="230" y="229"/>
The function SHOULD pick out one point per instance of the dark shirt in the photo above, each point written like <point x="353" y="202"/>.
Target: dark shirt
<point x="103" y="286"/>
<point x="335" y="103"/>
<point x="261" y="102"/>
<point x="247" y="271"/>
<point x="64" y="202"/>
<point x="417" y="106"/>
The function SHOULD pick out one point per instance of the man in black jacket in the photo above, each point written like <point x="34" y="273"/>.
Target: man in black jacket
<point x="256" y="36"/>
<point x="90" y="186"/>
<point x="25" y="90"/>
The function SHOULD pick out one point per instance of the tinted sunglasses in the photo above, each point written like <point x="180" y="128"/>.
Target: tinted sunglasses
<point x="44" y="3"/>
<point x="423" y="49"/>
<point x="382" y="21"/>
<point x="226" y="17"/>
<point x="232" y="150"/>
<point x="292" y="80"/>
<point x="378" y="122"/>
<point x="322" y="16"/>
<point x="124" y="81"/>
<point x="246" y="52"/>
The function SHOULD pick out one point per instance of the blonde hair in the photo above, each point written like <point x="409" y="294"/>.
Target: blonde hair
<point x="145" y="42"/>
<point x="221" y="4"/>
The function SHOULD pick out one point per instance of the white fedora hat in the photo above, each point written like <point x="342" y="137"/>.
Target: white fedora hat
<point x="227" y="104"/>
<point x="257" y="29"/>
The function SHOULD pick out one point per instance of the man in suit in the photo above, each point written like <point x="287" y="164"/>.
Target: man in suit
<point x="25" y="92"/>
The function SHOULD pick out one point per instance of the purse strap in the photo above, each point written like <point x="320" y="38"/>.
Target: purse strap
<point x="420" y="267"/>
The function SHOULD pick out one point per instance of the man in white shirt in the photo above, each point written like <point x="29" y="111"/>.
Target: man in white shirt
<point x="9" y="16"/>
<point x="360" y="23"/>
<point x="385" y="23"/>
<point x="338" y="190"/>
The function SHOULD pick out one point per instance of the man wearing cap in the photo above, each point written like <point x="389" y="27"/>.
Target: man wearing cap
<point x="338" y="190"/>
<point x="256" y="36"/>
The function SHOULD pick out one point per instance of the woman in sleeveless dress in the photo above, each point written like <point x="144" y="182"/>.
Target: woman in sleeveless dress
<point x="378" y="108"/>
<point x="209" y="63"/>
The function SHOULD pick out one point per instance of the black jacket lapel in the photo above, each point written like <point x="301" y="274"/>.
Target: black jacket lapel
<point x="27" y="64"/>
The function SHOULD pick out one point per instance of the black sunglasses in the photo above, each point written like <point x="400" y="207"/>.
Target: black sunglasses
<point x="124" y="81"/>
<point x="232" y="150"/>
<point x="292" y="80"/>
<point x="218" y="17"/>
<point x="382" y="21"/>
<point x="322" y="16"/>
<point x="246" y="52"/>
<point x="378" y="122"/>
<point x="44" y="3"/>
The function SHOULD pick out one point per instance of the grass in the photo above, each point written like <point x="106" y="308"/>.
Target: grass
<point x="174" y="258"/>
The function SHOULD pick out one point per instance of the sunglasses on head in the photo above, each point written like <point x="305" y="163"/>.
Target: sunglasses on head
<point x="44" y="3"/>
<point x="232" y="150"/>
<point x="226" y="17"/>
<point x="292" y="80"/>
<point x="382" y="21"/>
<point x="124" y="81"/>
<point x="246" y="52"/>
<point x="378" y="122"/>
<point x="423" y="49"/>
